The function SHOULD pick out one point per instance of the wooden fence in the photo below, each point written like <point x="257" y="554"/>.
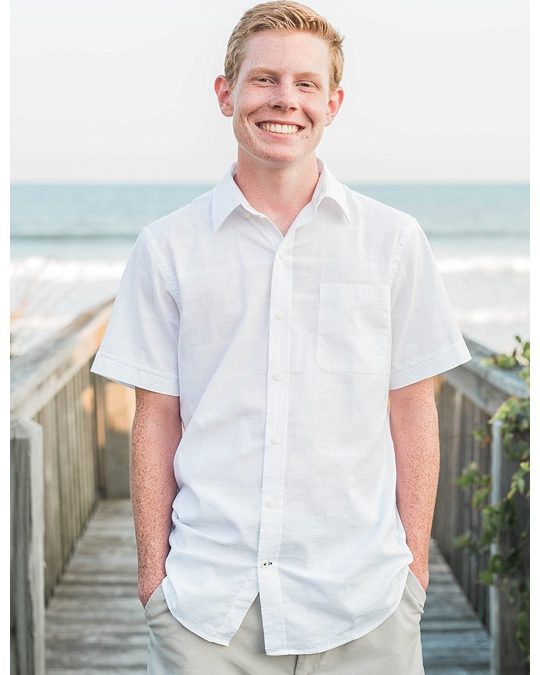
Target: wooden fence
<point x="70" y="447"/>
<point x="467" y="398"/>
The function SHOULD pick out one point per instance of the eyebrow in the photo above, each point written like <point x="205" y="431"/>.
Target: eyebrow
<point x="267" y="71"/>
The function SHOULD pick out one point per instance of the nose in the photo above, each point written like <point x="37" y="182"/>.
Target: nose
<point x="284" y="98"/>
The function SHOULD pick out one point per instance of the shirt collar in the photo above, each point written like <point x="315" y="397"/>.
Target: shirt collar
<point x="227" y="196"/>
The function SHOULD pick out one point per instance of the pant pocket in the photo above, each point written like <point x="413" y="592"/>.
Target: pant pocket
<point x="158" y="615"/>
<point x="416" y="590"/>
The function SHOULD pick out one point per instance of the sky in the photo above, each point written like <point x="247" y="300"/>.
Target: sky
<point x="122" y="91"/>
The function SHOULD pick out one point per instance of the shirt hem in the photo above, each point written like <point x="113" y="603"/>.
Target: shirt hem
<point x="132" y="376"/>
<point x="347" y="637"/>
<point x="440" y="362"/>
<point x="190" y="626"/>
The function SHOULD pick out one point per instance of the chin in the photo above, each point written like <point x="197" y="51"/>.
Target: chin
<point x="280" y="160"/>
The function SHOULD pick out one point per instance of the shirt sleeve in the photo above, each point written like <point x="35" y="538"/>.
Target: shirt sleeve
<point x="140" y="345"/>
<point x="426" y="339"/>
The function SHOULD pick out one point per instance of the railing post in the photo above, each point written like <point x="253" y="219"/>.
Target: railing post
<point x="494" y="598"/>
<point x="485" y="387"/>
<point x="27" y="557"/>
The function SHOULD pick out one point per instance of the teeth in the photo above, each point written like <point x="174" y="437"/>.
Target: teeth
<point x="279" y="128"/>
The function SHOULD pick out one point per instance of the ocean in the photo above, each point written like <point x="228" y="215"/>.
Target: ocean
<point x="69" y="245"/>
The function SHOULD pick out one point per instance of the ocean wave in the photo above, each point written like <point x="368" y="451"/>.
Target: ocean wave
<point x="72" y="236"/>
<point x="494" y="263"/>
<point x="97" y="234"/>
<point x="490" y="315"/>
<point x="47" y="269"/>
<point x="101" y="268"/>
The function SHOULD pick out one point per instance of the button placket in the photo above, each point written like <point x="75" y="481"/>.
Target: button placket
<point x="275" y="449"/>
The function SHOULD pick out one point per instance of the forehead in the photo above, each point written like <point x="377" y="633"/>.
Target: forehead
<point x="287" y="51"/>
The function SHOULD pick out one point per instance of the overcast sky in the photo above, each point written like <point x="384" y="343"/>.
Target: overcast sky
<point x="122" y="90"/>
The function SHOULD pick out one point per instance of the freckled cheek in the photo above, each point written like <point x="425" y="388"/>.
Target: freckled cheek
<point x="309" y="132"/>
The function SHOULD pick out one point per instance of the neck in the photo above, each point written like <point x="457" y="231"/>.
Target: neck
<point x="281" y="192"/>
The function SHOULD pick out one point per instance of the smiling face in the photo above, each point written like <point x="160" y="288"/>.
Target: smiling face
<point x="281" y="101"/>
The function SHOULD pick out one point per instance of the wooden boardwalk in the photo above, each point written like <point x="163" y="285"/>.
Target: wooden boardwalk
<point x="95" y="623"/>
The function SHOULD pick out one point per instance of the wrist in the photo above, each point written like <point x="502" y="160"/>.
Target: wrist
<point x="146" y="586"/>
<point x="421" y="572"/>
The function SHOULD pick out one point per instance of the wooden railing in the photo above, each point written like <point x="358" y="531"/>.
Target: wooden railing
<point x="69" y="447"/>
<point x="70" y="436"/>
<point x="467" y="398"/>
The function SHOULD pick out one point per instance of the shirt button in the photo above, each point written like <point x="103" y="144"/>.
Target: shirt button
<point x="282" y="254"/>
<point x="278" y="376"/>
<point x="275" y="440"/>
<point x="278" y="315"/>
<point x="270" y="504"/>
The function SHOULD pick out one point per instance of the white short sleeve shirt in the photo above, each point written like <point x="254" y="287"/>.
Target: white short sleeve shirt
<point x="282" y="350"/>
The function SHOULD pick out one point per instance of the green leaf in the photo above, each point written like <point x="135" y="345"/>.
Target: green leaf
<point x="486" y="577"/>
<point x="500" y="521"/>
<point x="463" y="540"/>
<point x="480" y="495"/>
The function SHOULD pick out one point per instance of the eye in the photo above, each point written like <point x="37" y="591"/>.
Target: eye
<point x="306" y="85"/>
<point x="263" y="79"/>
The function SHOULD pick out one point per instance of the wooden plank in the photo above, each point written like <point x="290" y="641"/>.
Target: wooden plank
<point x="77" y="451"/>
<point x="78" y="454"/>
<point x="39" y="374"/>
<point x="87" y="403"/>
<point x="53" y="524"/>
<point x="83" y="450"/>
<point x="71" y="461"/>
<point x="487" y="386"/>
<point x="467" y="456"/>
<point x="62" y="469"/>
<point x="27" y="621"/>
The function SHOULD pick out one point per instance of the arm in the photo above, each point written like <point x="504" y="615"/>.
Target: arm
<point x="415" y="433"/>
<point x="157" y="430"/>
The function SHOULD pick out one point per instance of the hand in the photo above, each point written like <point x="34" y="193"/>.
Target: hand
<point x="422" y="574"/>
<point x="146" y="587"/>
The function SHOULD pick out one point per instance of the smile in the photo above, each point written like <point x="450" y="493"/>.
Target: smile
<point x="279" y="128"/>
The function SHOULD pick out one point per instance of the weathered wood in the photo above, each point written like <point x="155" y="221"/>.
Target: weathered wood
<point x="509" y="653"/>
<point x="467" y="399"/>
<point x="27" y="557"/>
<point x="65" y="536"/>
<point x="72" y="413"/>
<point x="69" y="470"/>
<point x="86" y="439"/>
<point x="53" y="531"/>
<point x="52" y="383"/>
<point x="64" y="511"/>
<point x="485" y="386"/>
<point x="40" y="373"/>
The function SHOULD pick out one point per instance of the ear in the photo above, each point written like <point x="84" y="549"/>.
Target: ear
<point x="334" y="104"/>
<point x="224" y="96"/>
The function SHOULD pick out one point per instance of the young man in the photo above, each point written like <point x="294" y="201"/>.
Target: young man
<point x="285" y="528"/>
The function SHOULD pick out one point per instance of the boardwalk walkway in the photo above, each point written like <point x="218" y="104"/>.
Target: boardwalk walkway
<point x="95" y="623"/>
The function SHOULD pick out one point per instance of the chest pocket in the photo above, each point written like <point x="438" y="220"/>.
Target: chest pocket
<point x="353" y="333"/>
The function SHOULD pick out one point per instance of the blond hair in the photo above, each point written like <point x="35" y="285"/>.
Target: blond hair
<point x="282" y="16"/>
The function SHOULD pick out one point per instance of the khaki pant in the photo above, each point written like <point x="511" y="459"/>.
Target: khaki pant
<point x="393" y="648"/>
